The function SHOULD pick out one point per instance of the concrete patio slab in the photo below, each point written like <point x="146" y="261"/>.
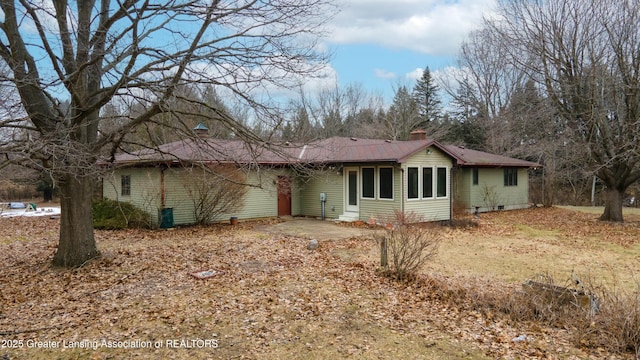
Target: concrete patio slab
<point x="314" y="229"/>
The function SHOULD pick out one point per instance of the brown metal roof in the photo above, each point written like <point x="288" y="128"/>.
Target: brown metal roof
<point x="210" y="150"/>
<point x="331" y="150"/>
<point x="343" y="149"/>
<point x="475" y="158"/>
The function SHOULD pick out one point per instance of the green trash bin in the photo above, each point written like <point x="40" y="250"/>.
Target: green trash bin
<point x="166" y="218"/>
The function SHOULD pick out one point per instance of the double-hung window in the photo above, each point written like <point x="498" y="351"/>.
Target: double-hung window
<point x="125" y="185"/>
<point x="368" y="182"/>
<point x="441" y="182"/>
<point x="427" y="182"/>
<point x="412" y="183"/>
<point x="433" y="180"/>
<point x="386" y="182"/>
<point x="511" y="177"/>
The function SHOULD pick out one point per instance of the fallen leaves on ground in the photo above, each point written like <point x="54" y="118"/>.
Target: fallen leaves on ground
<point x="570" y="224"/>
<point x="273" y="298"/>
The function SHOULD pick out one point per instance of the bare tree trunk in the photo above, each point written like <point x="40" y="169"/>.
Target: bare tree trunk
<point x="77" y="243"/>
<point x="613" y="205"/>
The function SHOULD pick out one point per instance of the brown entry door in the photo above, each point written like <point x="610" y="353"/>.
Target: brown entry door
<point x="284" y="196"/>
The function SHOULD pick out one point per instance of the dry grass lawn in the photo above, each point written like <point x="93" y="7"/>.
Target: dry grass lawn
<point x="274" y="299"/>
<point x="515" y="246"/>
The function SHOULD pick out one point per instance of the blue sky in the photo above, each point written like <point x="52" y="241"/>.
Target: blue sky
<point x="382" y="43"/>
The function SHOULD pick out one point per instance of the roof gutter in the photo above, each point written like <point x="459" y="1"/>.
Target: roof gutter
<point x="497" y="165"/>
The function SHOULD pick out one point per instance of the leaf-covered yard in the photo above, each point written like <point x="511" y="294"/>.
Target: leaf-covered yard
<point x="270" y="297"/>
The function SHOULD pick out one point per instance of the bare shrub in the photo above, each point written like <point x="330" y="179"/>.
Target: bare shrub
<point x="461" y="223"/>
<point x="215" y="191"/>
<point x="9" y="190"/>
<point x="490" y="197"/>
<point x="613" y="325"/>
<point x="616" y="326"/>
<point x="409" y="242"/>
<point x="462" y="218"/>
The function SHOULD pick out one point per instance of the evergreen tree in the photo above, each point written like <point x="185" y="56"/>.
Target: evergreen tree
<point x="425" y="95"/>
<point x="467" y="126"/>
<point x="402" y="117"/>
<point x="299" y="128"/>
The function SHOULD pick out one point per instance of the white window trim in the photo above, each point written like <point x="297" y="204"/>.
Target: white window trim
<point x="419" y="183"/>
<point x="375" y="188"/>
<point x="447" y="180"/>
<point x="433" y="182"/>
<point x="345" y="193"/>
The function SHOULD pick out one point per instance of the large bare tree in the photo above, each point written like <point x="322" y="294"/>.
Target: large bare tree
<point x="68" y="59"/>
<point x="585" y="53"/>
<point x="487" y="74"/>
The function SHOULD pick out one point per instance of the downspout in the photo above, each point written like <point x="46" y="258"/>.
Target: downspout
<point x="401" y="189"/>
<point x="451" y="194"/>
<point x="162" y="201"/>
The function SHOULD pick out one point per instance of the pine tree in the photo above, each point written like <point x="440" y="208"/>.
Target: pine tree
<point x="402" y="117"/>
<point x="425" y="95"/>
<point x="467" y="127"/>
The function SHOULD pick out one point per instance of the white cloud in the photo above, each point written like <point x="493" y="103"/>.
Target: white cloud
<point x="327" y="78"/>
<point x="415" y="74"/>
<point x="448" y="81"/>
<point x="45" y="11"/>
<point x="434" y="27"/>
<point x="384" y="74"/>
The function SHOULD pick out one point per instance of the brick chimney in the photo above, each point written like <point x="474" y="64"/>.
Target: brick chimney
<point x="418" y="135"/>
<point x="201" y="130"/>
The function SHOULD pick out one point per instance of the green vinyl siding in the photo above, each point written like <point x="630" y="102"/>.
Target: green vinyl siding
<point x="261" y="199"/>
<point x="144" y="188"/>
<point x="492" y="194"/>
<point x="177" y="196"/>
<point x="329" y="182"/>
<point x="462" y="187"/>
<point x="435" y="208"/>
<point x="382" y="209"/>
<point x="332" y="183"/>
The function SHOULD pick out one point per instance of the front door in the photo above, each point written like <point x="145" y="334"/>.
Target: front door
<point x="351" y="186"/>
<point x="284" y="196"/>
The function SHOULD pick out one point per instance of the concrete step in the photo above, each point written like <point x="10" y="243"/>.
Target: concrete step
<point x="347" y="217"/>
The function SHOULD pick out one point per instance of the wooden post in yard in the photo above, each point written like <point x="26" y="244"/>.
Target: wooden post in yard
<point x="384" y="260"/>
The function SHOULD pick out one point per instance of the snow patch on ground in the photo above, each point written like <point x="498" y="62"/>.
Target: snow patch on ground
<point x="45" y="211"/>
